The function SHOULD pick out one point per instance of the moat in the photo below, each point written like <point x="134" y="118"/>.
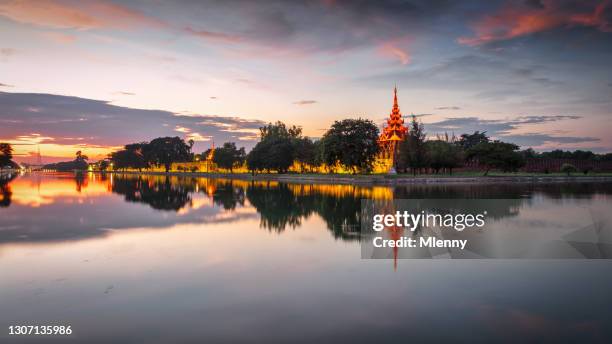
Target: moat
<point x="179" y="259"/>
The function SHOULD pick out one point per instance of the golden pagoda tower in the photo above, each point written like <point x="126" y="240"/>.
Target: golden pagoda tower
<point x="208" y="162"/>
<point x="393" y="133"/>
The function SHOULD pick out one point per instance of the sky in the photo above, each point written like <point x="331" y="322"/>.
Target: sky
<point x="95" y="75"/>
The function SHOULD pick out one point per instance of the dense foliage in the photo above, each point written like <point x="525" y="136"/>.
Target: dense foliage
<point x="6" y="154"/>
<point x="412" y="153"/>
<point x="497" y="155"/>
<point x="352" y="143"/>
<point x="163" y="151"/>
<point x="228" y="156"/>
<point x="443" y="155"/>
<point x="276" y="149"/>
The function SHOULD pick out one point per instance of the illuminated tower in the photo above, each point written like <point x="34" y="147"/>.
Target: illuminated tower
<point x="393" y="132"/>
<point x="208" y="162"/>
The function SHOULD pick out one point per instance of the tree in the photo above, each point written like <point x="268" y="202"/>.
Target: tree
<point x="276" y="148"/>
<point x="132" y="156"/>
<point x="276" y="155"/>
<point x="228" y="156"/>
<point x="80" y="157"/>
<point x="166" y="150"/>
<point x="529" y="153"/>
<point x="411" y="152"/>
<point x="305" y="152"/>
<point x="567" y="169"/>
<point x="279" y="130"/>
<point x="443" y="155"/>
<point x="136" y="156"/>
<point x="80" y="161"/>
<point x="497" y="154"/>
<point x="103" y="166"/>
<point x="254" y="159"/>
<point x="122" y="159"/>
<point x="352" y="143"/>
<point x="468" y="141"/>
<point x="6" y="154"/>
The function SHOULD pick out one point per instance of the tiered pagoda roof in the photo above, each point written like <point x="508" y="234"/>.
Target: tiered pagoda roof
<point x="394" y="130"/>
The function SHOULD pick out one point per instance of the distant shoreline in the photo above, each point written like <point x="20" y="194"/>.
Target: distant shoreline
<point x="384" y="179"/>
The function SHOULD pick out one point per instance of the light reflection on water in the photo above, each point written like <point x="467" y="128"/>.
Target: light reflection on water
<point x="157" y="259"/>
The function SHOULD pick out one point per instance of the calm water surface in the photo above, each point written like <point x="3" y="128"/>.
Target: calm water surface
<point x="159" y="260"/>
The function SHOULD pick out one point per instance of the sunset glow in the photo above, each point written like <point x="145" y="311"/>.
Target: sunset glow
<point x="95" y="75"/>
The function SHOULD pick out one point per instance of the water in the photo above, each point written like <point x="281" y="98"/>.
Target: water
<point x="159" y="260"/>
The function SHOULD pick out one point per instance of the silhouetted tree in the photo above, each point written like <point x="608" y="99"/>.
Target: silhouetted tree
<point x="442" y="154"/>
<point x="276" y="149"/>
<point x="467" y="141"/>
<point x="411" y="152"/>
<point x="352" y="143"/>
<point x="228" y="156"/>
<point x="6" y="154"/>
<point x="166" y="150"/>
<point x="568" y="169"/>
<point x="305" y="152"/>
<point x="497" y="154"/>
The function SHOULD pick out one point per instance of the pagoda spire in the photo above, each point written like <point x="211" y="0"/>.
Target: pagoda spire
<point x="394" y="132"/>
<point x="395" y="96"/>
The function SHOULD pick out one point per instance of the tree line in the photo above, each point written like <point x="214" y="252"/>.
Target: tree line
<point x="348" y="145"/>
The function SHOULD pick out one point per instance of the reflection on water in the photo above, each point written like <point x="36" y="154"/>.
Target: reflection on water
<point x="5" y="190"/>
<point x="90" y="199"/>
<point x="240" y="260"/>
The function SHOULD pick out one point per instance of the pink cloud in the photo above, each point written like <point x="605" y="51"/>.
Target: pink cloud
<point x="594" y="19"/>
<point x="213" y="36"/>
<point x="511" y="22"/>
<point x="81" y="15"/>
<point x="394" y="49"/>
<point x="59" y="37"/>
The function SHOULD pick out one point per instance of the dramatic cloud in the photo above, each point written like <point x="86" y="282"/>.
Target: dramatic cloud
<point x="491" y="57"/>
<point x="535" y="140"/>
<point x="515" y="21"/>
<point x="65" y="120"/>
<point x="503" y="129"/>
<point x="81" y="15"/>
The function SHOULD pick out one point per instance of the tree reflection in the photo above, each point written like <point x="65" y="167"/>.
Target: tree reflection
<point x="5" y="189"/>
<point x="80" y="181"/>
<point x="278" y="206"/>
<point x="227" y="194"/>
<point x="283" y="206"/>
<point x="159" y="193"/>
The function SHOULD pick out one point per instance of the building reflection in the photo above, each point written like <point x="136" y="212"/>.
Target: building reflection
<point x="279" y="206"/>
